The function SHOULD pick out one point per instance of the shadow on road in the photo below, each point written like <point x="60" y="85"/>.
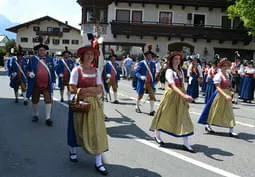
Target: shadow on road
<point x="247" y="137"/>
<point x="129" y="130"/>
<point x="210" y="152"/>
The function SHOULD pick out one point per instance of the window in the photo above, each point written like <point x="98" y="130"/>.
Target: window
<point x="165" y="17"/>
<point x="66" y="30"/>
<point x="56" y="30"/>
<point x="36" y="39"/>
<point x="237" y="23"/>
<point x="137" y="16"/>
<point x="199" y="20"/>
<point x="55" y="41"/>
<point x="225" y="22"/>
<point x="50" y="29"/>
<point x="123" y="15"/>
<point x="89" y="15"/>
<point x="24" y="39"/>
<point x="65" y="41"/>
<point x="47" y="41"/>
<point x="36" y="28"/>
<point x="102" y="15"/>
<point x="76" y="42"/>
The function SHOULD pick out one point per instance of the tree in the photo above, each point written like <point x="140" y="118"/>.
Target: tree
<point x="245" y="9"/>
<point x="10" y="44"/>
<point x="2" y="54"/>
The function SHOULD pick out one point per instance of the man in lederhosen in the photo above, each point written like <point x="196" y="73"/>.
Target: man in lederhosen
<point x="63" y="70"/>
<point x="236" y="70"/>
<point x="112" y="76"/>
<point x="16" y="71"/>
<point x="41" y="80"/>
<point x="145" y="73"/>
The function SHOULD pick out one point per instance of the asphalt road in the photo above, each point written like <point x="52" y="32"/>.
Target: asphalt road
<point x="33" y="150"/>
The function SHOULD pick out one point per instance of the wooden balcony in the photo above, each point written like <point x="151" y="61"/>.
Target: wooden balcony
<point x="49" y="33"/>
<point x="179" y="30"/>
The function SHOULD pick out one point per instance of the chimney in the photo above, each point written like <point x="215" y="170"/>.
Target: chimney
<point x="66" y="22"/>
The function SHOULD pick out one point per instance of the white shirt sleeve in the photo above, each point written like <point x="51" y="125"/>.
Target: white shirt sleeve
<point x="157" y="67"/>
<point x="200" y="71"/>
<point x="99" y="77"/>
<point x="169" y="76"/>
<point x="217" y="78"/>
<point x="74" y="77"/>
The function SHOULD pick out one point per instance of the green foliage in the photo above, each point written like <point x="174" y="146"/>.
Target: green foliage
<point x="10" y="44"/>
<point x="2" y="54"/>
<point x="245" y="9"/>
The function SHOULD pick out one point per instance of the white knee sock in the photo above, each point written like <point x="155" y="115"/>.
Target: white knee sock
<point x="137" y="104"/>
<point x="24" y="96"/>
<point x="35" y="110"/>
<point x="157" y="135"/>
<point x="186" y="142"/>
<point x="231" y="130"/>
<point x="99" y="161"/>
<point x="73" y="151"/>
<point x="48" y="110"/>
<point x="115" y="96"/>
<point x="68" y="95"/>
<point x="151" y="106"/>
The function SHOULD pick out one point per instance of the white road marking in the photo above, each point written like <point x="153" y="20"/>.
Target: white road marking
<point x="187" y="159"/>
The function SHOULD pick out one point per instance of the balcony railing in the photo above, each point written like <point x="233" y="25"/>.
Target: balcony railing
<point x="49" y="33"/>
<point x="208" y="32"/>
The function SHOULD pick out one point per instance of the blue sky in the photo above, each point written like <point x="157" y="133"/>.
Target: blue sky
<point x="21" y="11"/>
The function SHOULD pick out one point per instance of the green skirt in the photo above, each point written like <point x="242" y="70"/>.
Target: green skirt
<point x="221" y="112"/>
<point x="90" y="128"/>
<point x="172" y="116"/>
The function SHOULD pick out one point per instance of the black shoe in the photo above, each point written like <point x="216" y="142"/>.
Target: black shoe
<point x="74" y="160"/>
<point x="35" y="119"/>
<point x="49" y="123"/>
<point x="61" y="100"/>
<point x="116" y="102"/>
<point x="106" y="119"/>
<point x="138" y="110"/>
<point x="193" y="102"/>
<point x="25" y="102"/>
<point x="161" y="143"/>
<point x="209" y="130"/>
<point x="188" y="149"/>
<point x="105" y="172"/>
<point x="233" y="134"/>
<point x="16" y="100"/>
<point x="152" y="113"/>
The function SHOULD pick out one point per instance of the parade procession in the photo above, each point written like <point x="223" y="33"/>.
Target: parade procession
<point x="143" y="89"/>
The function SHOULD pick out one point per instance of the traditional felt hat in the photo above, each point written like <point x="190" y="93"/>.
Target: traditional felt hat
<point x="82" y="50"/>
<point x="224" y="61"/>
<point x="66" y="51"/>
<point x="170" y="57"/>
<point x="41" y="45"/>
<point x="149" y="51"/>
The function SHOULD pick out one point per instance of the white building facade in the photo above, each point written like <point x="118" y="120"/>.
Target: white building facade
<point x="169" y="26"/>
<point x="57" y="35"/>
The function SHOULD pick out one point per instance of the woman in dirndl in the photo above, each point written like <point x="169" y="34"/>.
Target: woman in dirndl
<point x="195" y="78"/>
<point x="218" y="111"/>
<point x="210" y="88"/>
<point x="88" y="129"/>
<point x="173" y="116"/>
<point x="247" y="91"/>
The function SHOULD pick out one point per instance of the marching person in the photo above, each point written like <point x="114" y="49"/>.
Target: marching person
<point x="146" y="73"/>
<point x="41" y="80"/>
<point x="195" y="76"/>
<point x="210" y="88"/>
<point x="16" y="71"/>
<point x="113" y="76"/>
<point x="172" y="116"/>
<point x="247" y="91"/>
<point x="218" y="110"/>
<point x="87" y="129"/>
<point x="237" y="70"/>
<point x="63" y="70"/>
